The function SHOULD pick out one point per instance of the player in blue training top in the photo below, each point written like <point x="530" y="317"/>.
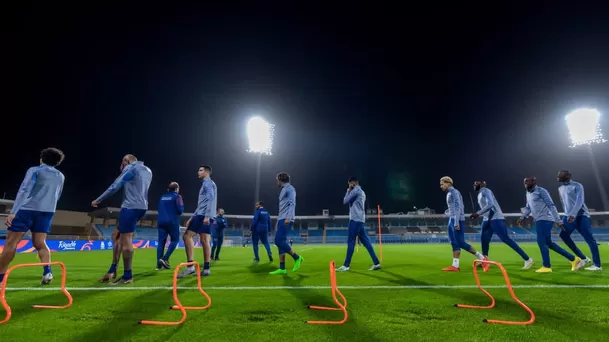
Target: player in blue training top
<point x="261" y="226"/>
<point x="456" y="224"/>
<point x="135" y="177"/>
<point x="217" y="234"/>
<point x="356" y="199"/>
<point x="285" y="221"/>
<point x="200" y="223"/>
<point x="577" y="218"/>
<point x="171" y="206"/>
<point x="493" y="222"/>
<point x="33" y="210"/>
<point x="544" y="212"/>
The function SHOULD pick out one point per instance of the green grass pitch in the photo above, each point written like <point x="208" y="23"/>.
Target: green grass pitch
<point x="410" y="299"/>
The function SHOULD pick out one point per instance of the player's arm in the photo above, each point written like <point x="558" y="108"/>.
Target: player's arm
<point x="268" y="218"/>
<point x="579" y="201"/>
<point x="489" y="203"/>
<point x="179" y="204"/>
<point x="455" y="208"/>
<point x="24" y="190"/>
<point x="255" y="220"/>
<point x="350" y="195"/>
<point x="208" y="192"/>
<point x="63" y="179"/>
<point x="292" y="201"/>
<point x="545" y="196"/>
<point x="127" y="175"/>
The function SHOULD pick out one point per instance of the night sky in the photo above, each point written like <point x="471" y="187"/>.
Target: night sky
<point x="398" y="97"/>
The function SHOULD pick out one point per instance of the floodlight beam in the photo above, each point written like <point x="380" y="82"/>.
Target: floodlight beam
<point x="260" y="135"/>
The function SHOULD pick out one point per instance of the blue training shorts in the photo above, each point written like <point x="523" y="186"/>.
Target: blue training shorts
<point x="128" y="218"/>
<point x="196" y="225"/>
<point x="34" y="221"/>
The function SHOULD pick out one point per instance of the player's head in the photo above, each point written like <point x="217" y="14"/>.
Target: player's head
<point x="204" y="171"/>
<point x="283" y="178"/>
<point x="128" y="159"/>
<point x="259" y="205"/>
<point x="220" y="211"/>
<point x="564" y="176"/>
<point x="530" y="182"/>
<point x="445" y="183"/>
<point x="51" y="156"/>
<point x="479" y="185"/>
<point x="353" y="182"/>
<point x="173" y="186"/>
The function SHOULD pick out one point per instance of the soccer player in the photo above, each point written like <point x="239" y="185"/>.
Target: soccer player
<point x="456" y="224"/>
<point x="218" y="234"/>
<point x="261" y="226"/>
<point x="542" y="208"/>
<point x="493" y="222"/>
<point x="200" y="223"/>
<point x="285" y="221"/>
<point x="356" y="199"/>
<point x="171" y="206"/>
<point x="135" y="177"/>
<point x="33" y="210"/>
<point x="577" y="218"/>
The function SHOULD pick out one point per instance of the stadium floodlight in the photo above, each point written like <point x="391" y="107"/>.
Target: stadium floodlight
<point x="584" y="127"/>
<point x="260" y="136"/>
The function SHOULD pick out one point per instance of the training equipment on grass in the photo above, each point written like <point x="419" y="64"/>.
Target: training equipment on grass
<point x="64" y="276"/>
<point x="179" y="305"/>
<point x="492" y="305"/>
<point x="341" y="307"/>
<point x="378" y="214"/>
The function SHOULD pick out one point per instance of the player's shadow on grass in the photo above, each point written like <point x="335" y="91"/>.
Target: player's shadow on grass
<point x="261" y="268"/>
<point x="122" y="320"/>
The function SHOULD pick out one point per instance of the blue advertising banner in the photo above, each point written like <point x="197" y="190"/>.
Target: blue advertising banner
<point x="25" y="246"/>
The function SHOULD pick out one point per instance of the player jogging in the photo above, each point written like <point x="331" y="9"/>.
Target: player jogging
<point x="356" y="199"/>
<point x="33" y="210"/>
<point x="542" y="208"/>
<point x="135" y="177"/>
<point x="456" y="224"/>
<point x="171" y="206"/>
<point x="493" y="222"/>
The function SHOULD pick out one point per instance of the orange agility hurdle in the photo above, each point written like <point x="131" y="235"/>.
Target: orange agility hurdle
<point x="342" y="307"/>
<point x="64" y="277"/>
<point x="492" y="305"/>
<point x="178" y="305"/>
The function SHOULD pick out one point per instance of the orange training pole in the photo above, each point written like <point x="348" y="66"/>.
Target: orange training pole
<point x="492" y="305"/>
<point x="179" y="305"/>
<point x="64" y="276"/>
<point x="342" y="307"/>
<point x="378" y="212"/>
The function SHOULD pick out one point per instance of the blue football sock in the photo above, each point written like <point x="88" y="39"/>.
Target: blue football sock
<point x="205" y="265"/>
<point x="295" y="256"/>
<point x="1" y="277"/>
<point x="47" y="269"/>
<point x="112" y="269"/>
<point x="282" y="265"/>
<point x="127" y="274"/>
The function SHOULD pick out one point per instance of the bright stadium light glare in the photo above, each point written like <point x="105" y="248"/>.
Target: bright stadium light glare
<point x="260" y="135"/>
<point x="584" y="127"/>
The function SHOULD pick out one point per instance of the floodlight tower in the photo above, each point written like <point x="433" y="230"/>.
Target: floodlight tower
<point x="585" y="130"/>
<point x="260" y="136"/>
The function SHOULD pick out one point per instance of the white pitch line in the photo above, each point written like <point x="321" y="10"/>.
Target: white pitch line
<point x="270" y="288"/>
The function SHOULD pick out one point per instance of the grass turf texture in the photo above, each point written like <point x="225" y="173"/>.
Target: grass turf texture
<point x="413" y="300"/>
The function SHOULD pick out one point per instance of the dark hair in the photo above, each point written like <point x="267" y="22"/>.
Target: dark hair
<point x="283" y="177"/>
<point x="173" y="186"/>
<point x="206" y="168"/>
<point x="353" y="179"/>
<point x="260" y="203"/>
<point x="52" y="156"/>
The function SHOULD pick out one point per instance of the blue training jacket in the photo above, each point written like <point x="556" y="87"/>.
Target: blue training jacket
<point x="171" y="206"/>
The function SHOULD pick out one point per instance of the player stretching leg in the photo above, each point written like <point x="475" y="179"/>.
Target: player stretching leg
<point x="285" y="221"/>
<point x="493" y="222"/>
<point x="356" y="198"/>
<point x="261" y="225"/>
<point x="200" y="223"/>
<point x="542" y="208"/>
<point x="218" y="234"/>
<point x="577" y="218"/>
<point x="116" y="256"/>
<point x="171" y="206"/>
<point x="135" y="177"/>
<point x="33" y="210"/>
<point x="456" y="224"/>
